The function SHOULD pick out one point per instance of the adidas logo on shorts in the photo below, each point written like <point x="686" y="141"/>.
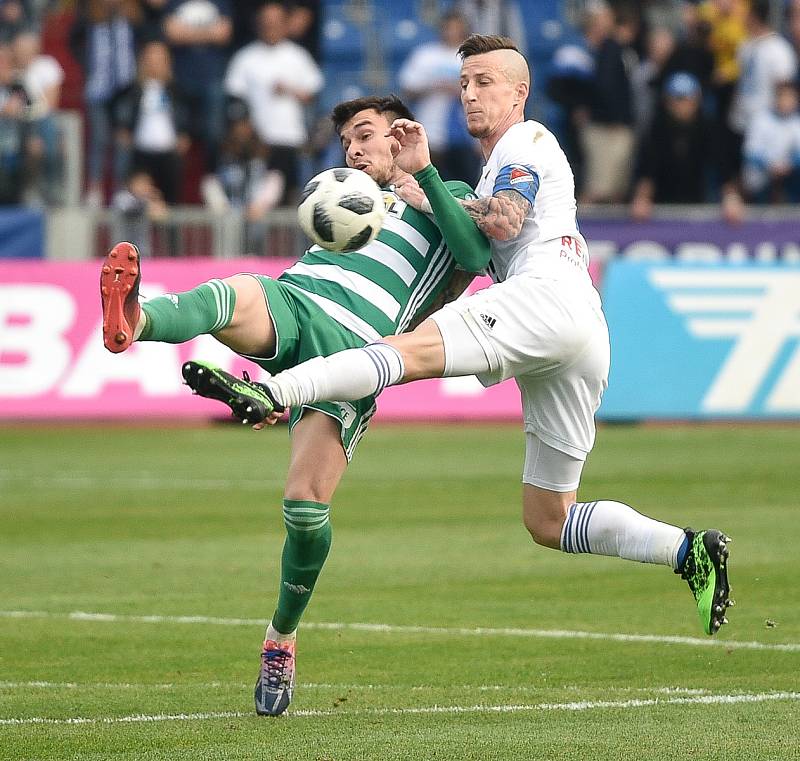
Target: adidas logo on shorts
<point x="490" y="321"/>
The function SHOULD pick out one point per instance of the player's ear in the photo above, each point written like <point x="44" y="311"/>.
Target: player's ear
<point x="521" y="90"/>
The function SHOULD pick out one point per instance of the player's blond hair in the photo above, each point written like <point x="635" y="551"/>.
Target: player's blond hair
<point x="515" y="66"/>
<point x="476" y="44"/>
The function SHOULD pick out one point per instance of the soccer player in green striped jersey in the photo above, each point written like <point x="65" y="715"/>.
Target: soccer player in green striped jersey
<point x="324" y="303"/>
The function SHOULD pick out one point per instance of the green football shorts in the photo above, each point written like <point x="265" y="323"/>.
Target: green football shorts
<point x="304" y="331"/>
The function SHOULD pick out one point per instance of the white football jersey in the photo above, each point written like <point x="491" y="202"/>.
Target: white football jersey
<point x="529" y="159"/>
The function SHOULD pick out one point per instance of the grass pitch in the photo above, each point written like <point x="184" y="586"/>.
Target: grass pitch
<point x="181" y="555"/>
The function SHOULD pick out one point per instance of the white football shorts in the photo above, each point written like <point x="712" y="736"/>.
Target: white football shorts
<point x="550" y="335"/>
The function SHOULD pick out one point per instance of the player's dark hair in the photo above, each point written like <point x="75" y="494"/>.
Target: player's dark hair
<point x="390" y="105"/>
<point x="477" y="44"/>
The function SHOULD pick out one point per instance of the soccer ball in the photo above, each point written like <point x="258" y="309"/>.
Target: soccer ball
<point x="341" y="209"/>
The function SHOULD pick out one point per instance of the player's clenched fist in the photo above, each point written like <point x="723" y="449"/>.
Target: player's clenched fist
<point x="413" y="152"/>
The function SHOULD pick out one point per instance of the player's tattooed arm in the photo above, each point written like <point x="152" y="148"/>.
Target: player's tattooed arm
<point x="501" y="216"/>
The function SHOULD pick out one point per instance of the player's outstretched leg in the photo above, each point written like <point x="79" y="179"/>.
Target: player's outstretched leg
<point x="175" y="317"/>
<point x="275" y="683"/>
<point x="705" y="569"/>
<point x="119" y="293"/>
<point x="612" y="528"/>
<point x="249" y="401"/>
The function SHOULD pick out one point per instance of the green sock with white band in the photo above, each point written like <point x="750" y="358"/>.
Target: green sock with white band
<point x="308" y="539"/>
<point x="179" y="317"/>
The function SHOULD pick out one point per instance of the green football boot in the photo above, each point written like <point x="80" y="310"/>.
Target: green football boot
<point x="705" y="570"/>
<point x="249" y="401"/>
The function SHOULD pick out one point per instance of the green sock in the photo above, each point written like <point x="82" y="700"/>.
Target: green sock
<point x="308" y="539"/>
<point x="179" y="317"/>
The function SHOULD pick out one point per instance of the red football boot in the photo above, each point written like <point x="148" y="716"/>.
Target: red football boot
<point x="119" y="293"/>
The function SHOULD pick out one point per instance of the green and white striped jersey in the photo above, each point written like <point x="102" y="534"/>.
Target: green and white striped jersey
<point x="380" y="289"/>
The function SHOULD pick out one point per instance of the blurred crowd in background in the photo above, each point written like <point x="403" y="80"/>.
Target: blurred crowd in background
<point x="696" y="106"/>
<point x="224" y="104"/>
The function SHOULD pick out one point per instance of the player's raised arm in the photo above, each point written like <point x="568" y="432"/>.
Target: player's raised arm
<point x="469" y="246"/>
<point x="500" y="216"/>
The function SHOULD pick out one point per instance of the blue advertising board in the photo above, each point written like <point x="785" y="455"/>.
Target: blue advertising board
<point x="702" y="341"/>
<point x="693" y="240"/>
<point x="21" y="233"/>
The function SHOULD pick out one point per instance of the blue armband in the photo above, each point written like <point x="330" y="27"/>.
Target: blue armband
<point x="518" y="177"/>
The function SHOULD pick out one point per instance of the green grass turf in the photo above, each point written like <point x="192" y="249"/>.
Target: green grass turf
<point x="427" y="532"/>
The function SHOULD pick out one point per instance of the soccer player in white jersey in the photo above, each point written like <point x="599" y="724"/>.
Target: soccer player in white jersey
<point x="540" y="323"/>
<point x="324" y="303"/>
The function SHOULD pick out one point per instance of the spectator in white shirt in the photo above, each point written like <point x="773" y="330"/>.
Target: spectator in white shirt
<point x="771" y="153"/>
<point x="431" y="77"/>
<point x="765" y="59"/>
<point x="277" y="79"/>
<point x="152" y="118"/>
<point x="42" y="76"/>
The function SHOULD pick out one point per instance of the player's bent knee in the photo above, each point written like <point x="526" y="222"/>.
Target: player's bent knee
<point x="550" y="480"/>
<point x="312" y="486"/>
<point x="307" y="493"/>
<point x="544" y="530"/>
<point x="544" y="512"/>
<point x="250" y="299"/>
<point x="250" y="330"/>
<point x="422" y="351"/>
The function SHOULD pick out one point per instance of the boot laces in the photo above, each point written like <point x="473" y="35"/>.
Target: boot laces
<point x="275" y="665"/>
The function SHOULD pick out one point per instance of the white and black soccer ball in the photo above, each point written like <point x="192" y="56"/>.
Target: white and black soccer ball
<point x="341" y="209"/>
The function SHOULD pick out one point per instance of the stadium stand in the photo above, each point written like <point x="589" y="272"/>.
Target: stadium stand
<point x="361" y="46"/>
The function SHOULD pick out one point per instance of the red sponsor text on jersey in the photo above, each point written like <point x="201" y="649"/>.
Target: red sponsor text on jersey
<point x="568" y="241"/>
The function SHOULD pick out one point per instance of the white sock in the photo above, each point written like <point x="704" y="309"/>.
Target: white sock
<point x="137" y="331"/>
<point x="612" y="528"/>
<point x="345" y="376"/>
<point x="276" y="636"/>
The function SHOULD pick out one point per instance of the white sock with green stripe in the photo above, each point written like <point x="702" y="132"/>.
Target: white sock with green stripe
<point x="616" y="529"/>
<point x="179" y="317"/>
<point x="345" y="376"/>
<point x="308" y="540"/>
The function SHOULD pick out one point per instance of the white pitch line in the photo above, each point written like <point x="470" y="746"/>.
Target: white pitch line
<point x="580" y="705"/>
<point x="42" y="685"/>
<point x="787" y="647"/>
<point x="73" y="481"/>
<point x="38" y="684"/>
